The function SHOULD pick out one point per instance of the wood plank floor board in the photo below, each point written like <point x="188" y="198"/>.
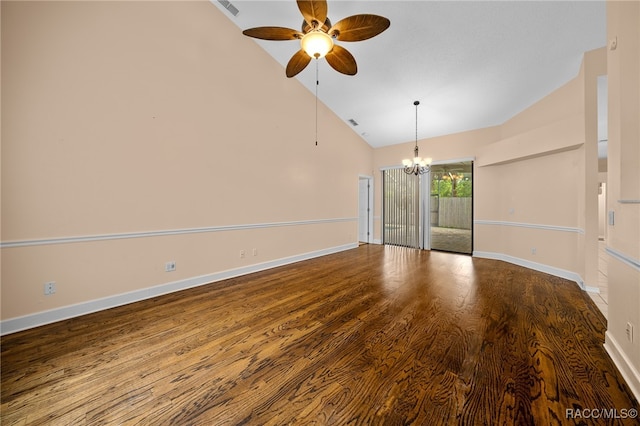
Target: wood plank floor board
<point x="374" y="335"/>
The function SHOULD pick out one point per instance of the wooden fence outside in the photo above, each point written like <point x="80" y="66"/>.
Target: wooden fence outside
<point x="451" y="212"/>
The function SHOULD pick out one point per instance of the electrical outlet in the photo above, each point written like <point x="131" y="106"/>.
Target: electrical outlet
<point x="255" y="251"/>
<point x="242" y="254"/>
<point x="630" y="332"/>
<point x="533" y="250"/>
<point x="50" y="288"/>
<point x="170" y="266"/>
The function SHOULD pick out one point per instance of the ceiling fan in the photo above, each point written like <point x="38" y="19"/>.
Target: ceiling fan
<point x="317" y="35"/>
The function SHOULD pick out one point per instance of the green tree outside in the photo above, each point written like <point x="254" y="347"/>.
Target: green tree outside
<point x="451" y="185"/>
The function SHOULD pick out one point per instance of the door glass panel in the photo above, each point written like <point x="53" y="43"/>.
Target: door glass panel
<point x="451" y="207"/>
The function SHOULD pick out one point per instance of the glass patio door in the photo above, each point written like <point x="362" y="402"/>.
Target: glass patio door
<point x="451" y="207"/>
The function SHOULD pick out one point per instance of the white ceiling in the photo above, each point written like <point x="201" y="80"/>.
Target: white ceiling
<point x="471" y="64"/>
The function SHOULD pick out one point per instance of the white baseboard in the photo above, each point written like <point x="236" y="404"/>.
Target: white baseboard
<point x="590" y="289"/>
<point x="558" y="272"/>
<point x="623" y="363"/>
<point x="13" y="325"/>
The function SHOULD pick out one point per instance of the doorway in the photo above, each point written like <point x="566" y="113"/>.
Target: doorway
<point x="601" y="295"/>
<point x="451" y="207"/>
<point x="365" y="209"/>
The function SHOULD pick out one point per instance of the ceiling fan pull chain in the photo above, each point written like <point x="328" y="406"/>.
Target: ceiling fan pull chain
<point x="317" y="84"/>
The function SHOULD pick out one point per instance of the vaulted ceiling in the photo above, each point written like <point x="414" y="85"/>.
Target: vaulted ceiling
<point x="471" y="64"/>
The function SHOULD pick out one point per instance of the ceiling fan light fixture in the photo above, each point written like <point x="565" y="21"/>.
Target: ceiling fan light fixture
<point x="316" y="43"/>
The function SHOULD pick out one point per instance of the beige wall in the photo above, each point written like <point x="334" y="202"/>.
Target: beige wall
<point x="623" y="187"/>
<point x="125" y="120"/>
<point x="527" y="209"/>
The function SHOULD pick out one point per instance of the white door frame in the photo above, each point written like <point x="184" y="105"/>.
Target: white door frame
<point x="425" y="216"/>
<point x="369" y="224"/>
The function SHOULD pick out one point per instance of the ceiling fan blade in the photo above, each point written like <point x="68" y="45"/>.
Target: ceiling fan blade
<point x="342" y="61"/>
<point x="273" y="33"/>
<point x="297" y="63"/>
<point x="313" y="10"/>
<point x="359" y="27"/>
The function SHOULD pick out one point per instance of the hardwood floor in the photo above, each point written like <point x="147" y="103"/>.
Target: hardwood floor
<point x="373" y="335"/>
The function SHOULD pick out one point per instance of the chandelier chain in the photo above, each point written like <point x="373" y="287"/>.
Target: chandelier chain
<point x="416" y="103"/>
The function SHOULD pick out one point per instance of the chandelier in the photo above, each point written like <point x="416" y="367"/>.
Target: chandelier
<point x="418" y="165"/>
